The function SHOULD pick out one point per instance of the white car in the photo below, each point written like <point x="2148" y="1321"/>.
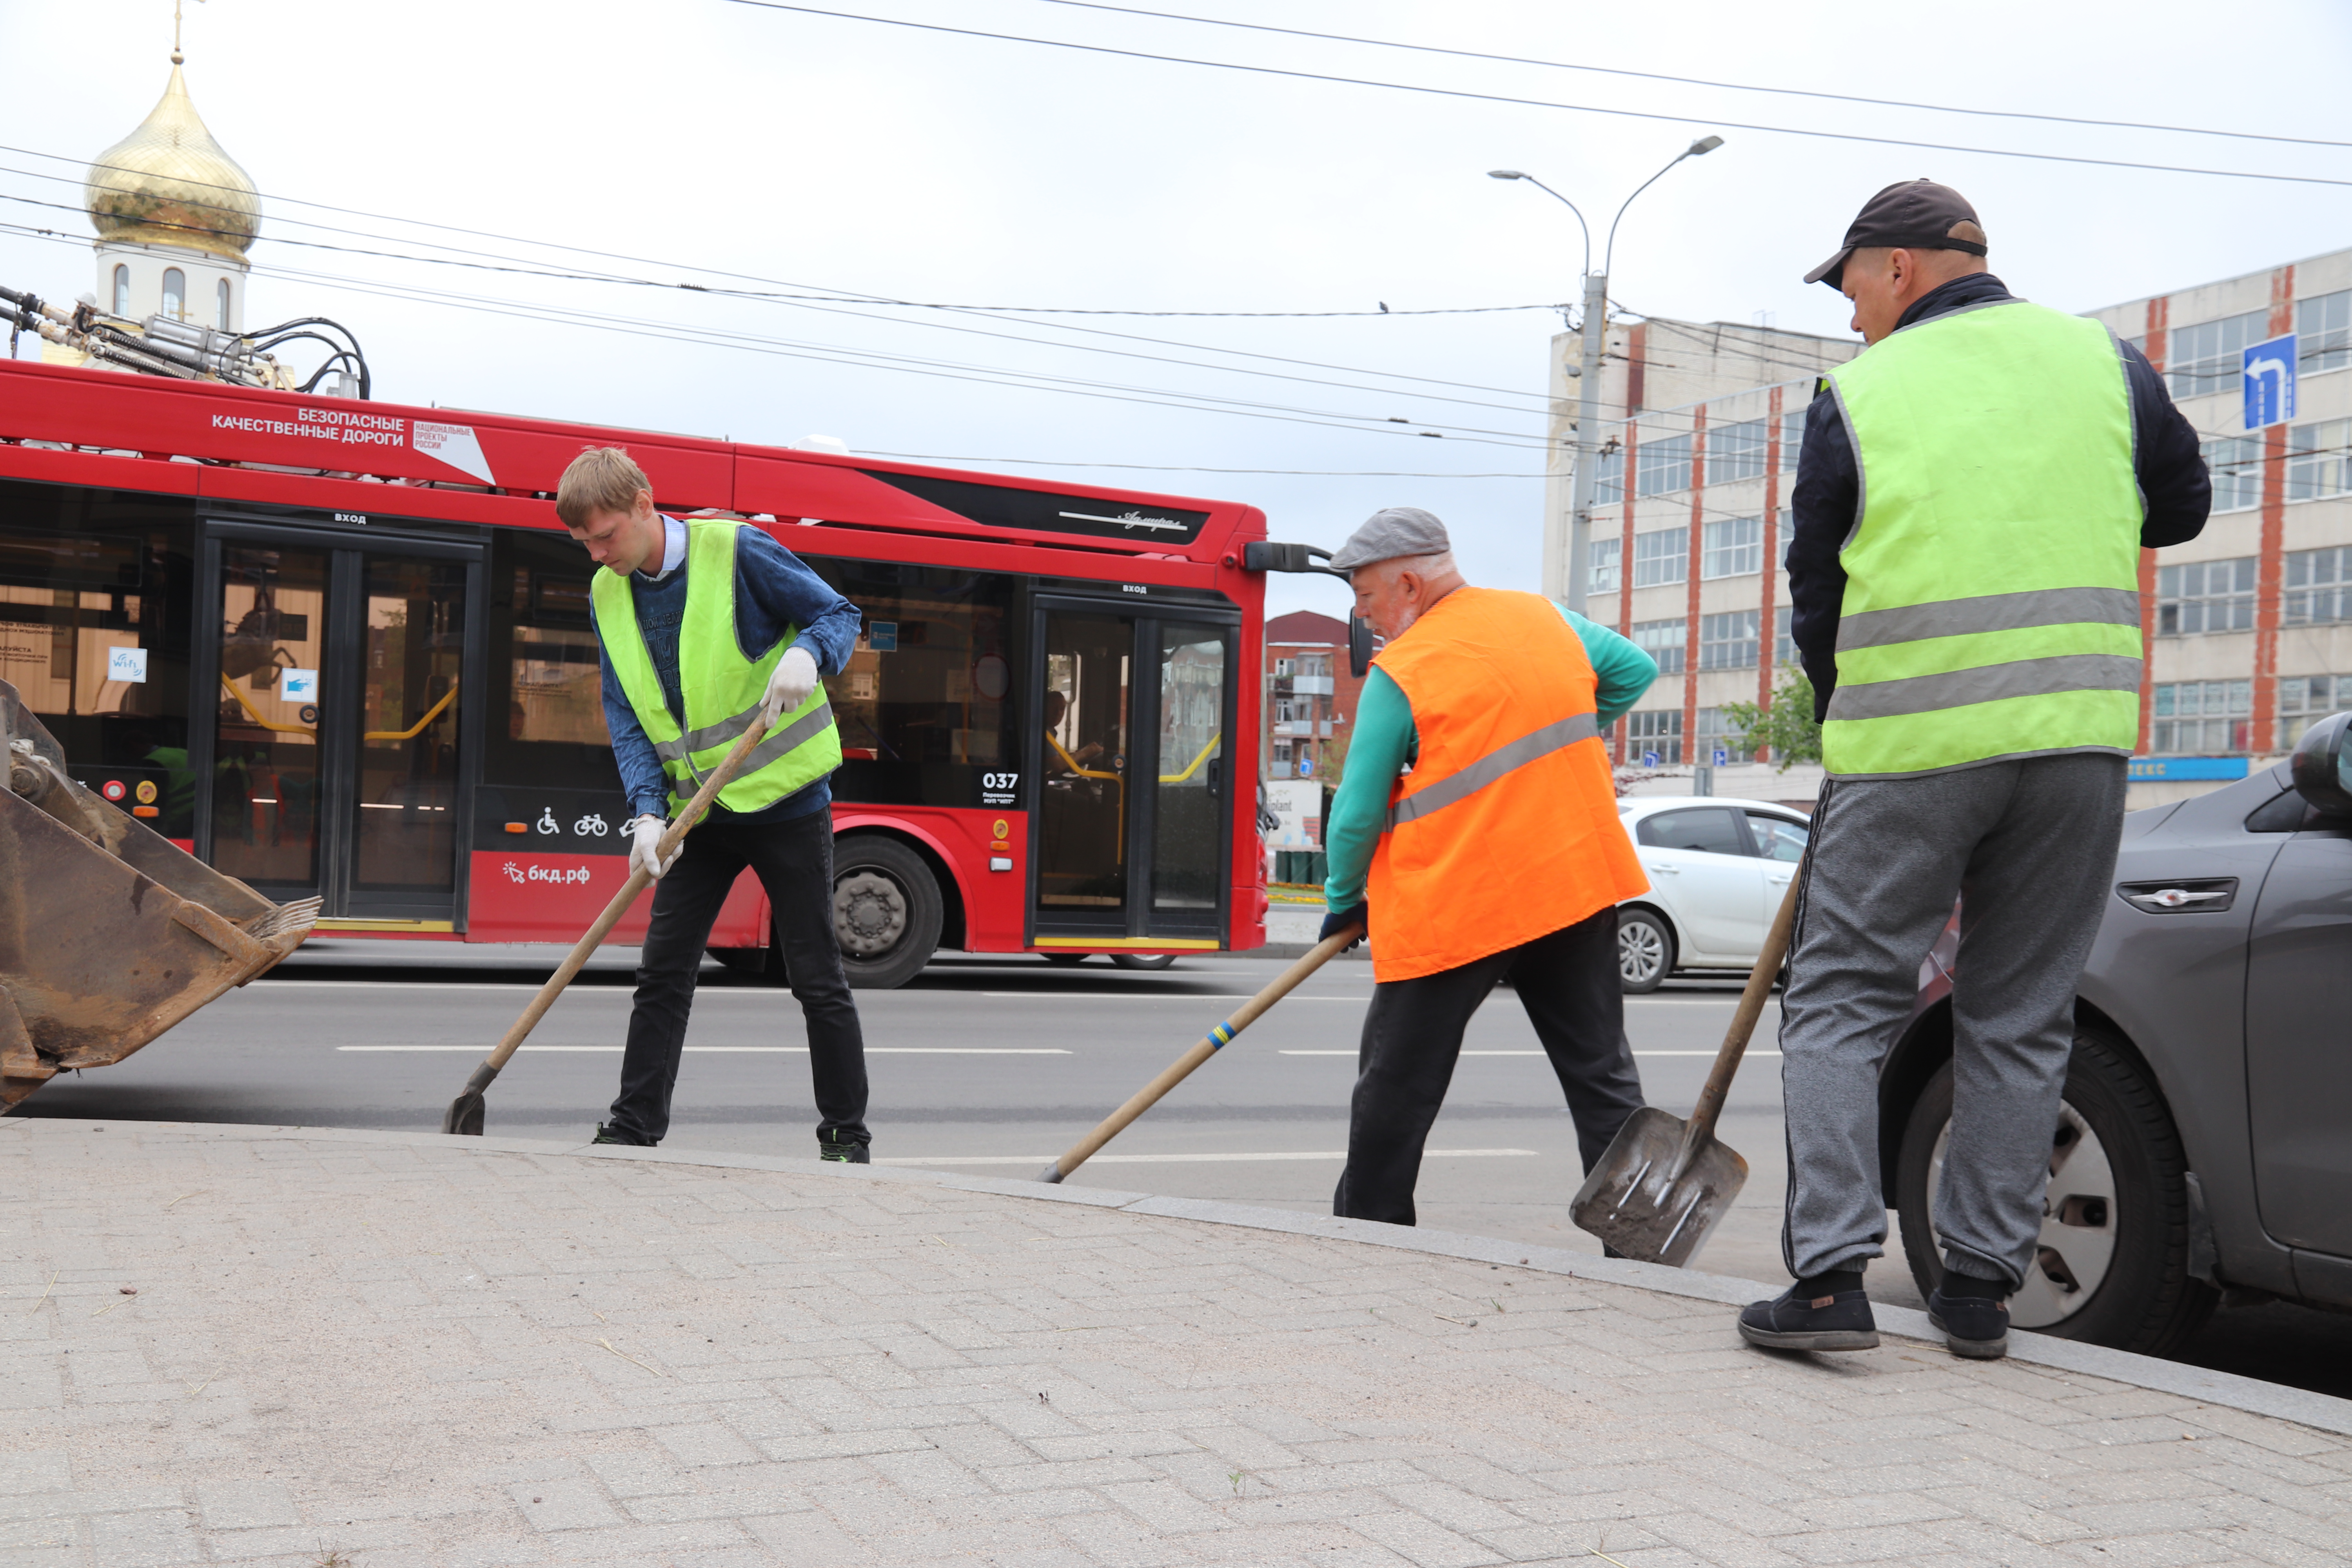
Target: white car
<point x="1717" y="870"/>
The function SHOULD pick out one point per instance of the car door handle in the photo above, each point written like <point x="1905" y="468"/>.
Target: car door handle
<point x="2203" y="895"/>
<point x="1663" y="870"/>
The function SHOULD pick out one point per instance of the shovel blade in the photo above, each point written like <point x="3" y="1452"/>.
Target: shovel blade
<point x="1636" y="1202"/>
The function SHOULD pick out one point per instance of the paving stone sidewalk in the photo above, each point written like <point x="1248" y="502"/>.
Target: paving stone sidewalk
<point x="380" y="1351"/>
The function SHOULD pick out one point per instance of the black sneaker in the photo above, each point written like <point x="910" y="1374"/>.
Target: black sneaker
<point x="614" y="1135"/>
<point x="1976" y="1327"/>
<point x="842" y="1153"/>
<point x="1841" y="1322"/>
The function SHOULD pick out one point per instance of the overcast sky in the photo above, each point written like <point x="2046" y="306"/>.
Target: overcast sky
<point x="810" y="150"/>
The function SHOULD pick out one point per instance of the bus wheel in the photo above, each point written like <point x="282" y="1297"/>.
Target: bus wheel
<point x="1143" y="960"/>
<point x="885" y="911"/>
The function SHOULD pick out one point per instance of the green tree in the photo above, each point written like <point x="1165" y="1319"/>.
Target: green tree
<point x="1786" y="724"/>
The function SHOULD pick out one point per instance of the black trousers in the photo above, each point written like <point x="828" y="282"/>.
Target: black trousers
<point x="793" y="860"/>
<point x="1412" y="1035"/>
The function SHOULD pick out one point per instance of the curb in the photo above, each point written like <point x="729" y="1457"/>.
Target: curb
<point x="2324" y="1411"/>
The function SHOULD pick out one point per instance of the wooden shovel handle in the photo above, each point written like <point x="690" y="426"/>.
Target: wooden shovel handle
<point x="1743" y="1022"/>
<point x="574" y="960"/>
<point x="1144" y="1098"/>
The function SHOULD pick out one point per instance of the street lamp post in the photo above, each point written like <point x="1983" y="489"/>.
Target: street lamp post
<point x="1588" y="374"/>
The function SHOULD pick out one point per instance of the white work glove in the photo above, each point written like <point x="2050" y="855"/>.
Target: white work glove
<point x="789" y="686"/>
<point x="645" y="842"/>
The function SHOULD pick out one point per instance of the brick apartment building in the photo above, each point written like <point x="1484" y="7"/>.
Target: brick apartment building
<point x="1310" y="695"/>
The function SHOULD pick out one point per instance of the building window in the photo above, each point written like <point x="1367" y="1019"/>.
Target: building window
<point x="220" y="305"/>
<point x="2204" y="718"/>
<point x="1735" y="452"/>
<point x="1716" y="734"/>
<point x="2205" y="596"/>
<point x="176" y="293"/>
<point x="1660" y="467"/>
<point x="1727" y="641"/>
<point x="1784" y="646"/>
<point x="2323" y="332"/>
<point x="2236" y="465"/>
<point x="1662" y="641"/>
<point x="2319" y="459"/>
<point x="1657" y="732"/>
<point x="1606" y="553"/>
<point x="2207" y="357"/>
<point x="2305" y="700"/>
<point x="1793" y="439"/>
<point x="2318" y="586"/>
<point x="1661" y="555"/>
<point x="1609" y="475"/>
<point x="121" y="290"/>
<point x="1732" y="547"/>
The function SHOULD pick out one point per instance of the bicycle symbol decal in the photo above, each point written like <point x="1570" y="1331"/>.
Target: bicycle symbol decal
<point x="591" y="825"/>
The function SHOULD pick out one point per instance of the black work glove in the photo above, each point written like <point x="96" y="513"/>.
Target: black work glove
<point x="1338" y="920"/>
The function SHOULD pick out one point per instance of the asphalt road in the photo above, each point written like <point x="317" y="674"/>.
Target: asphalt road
<point x="996" y="1064"/>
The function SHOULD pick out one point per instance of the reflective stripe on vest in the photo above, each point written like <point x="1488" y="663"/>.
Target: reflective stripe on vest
<point x="1994" y="450"/>
<point x="1502" y="760"/>
<point x="1506" y="829"/>
<point x="724" y="691"/>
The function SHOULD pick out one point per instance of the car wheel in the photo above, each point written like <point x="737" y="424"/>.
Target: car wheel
<point x="1143" y="960"/>
<point x="2112" y="1266"/>
<point x="885" y="911"/>
<point x="1645" y="950"/>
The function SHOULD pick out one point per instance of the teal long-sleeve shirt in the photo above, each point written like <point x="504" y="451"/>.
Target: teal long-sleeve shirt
<point x="1385" y="739"/>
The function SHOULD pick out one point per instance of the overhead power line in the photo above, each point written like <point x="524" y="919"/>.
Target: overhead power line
<point x="1539" y="102"/>
<point x="830" y="300"/>
<point x="1036" y="380"/>
<point x="1701" y="81"/>
<point x="1187" y="467"/>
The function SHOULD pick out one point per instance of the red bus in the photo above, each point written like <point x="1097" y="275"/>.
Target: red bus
<point x="342" y="649"/>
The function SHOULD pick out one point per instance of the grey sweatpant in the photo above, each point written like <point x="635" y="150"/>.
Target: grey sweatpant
<point x="2029" y="847"/>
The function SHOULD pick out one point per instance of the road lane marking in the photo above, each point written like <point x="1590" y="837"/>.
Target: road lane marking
<point x="1352" y="1052"/>
<point x="1153" y="996"/>
<point x="1033" y="1160"/>
<point x="763" y="1050"/>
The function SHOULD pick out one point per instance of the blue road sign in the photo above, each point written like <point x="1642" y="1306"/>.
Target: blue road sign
<point x="1722" y="757"/>
<point x="1306" y="767"/>
<point x="2269" y="374"/>
<point x="1649" y="759"/>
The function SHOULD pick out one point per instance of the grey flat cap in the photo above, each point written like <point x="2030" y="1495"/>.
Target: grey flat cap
<point x="1390" y="532"/>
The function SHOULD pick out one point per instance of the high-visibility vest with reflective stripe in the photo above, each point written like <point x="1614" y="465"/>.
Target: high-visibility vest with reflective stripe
<point x="1991" y="601"/>
<point x="723" y="689"/>
<point x="1507" y="828"/>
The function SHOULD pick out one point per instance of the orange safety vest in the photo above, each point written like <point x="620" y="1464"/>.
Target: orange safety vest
<point x="1507" y="828"/>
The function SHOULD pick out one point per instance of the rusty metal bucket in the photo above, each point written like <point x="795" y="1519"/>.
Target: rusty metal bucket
<point x="109" y="933"/>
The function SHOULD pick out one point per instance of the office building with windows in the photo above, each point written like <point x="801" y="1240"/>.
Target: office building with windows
<point x="2248" y="628"/>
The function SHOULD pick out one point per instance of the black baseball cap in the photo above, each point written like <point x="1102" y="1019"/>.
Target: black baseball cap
<point x="1918" y="215"/>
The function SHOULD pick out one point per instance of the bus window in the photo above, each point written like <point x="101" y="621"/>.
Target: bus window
<point x="405" y="839"/>
<point x="1187" y="812"/>
<point x="94" y="589"/>
<point x="265" y="816"/>
<point x="925" y="706"/>
<point x="549" y="758"/>
<point x="1082" y="827"/>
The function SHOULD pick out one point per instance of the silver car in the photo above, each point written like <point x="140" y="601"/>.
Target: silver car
<point x="2204" y="1150"/>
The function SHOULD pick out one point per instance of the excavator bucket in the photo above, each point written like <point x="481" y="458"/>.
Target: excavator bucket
<point x="109" y="933"/>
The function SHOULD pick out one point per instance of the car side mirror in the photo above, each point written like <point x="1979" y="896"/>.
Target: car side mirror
<point x="2322" y="767"/>
<point x="1359" y="645"/>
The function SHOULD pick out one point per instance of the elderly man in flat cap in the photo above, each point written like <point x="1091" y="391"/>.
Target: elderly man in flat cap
<point x="1477" y="826"/>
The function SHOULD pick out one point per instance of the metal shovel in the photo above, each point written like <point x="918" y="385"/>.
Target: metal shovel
<point x="1665" y="1181"/>
<point x="464" y="1116"/>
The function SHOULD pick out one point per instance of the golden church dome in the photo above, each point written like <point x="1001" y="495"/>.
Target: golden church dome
<point x="169" y="182"/>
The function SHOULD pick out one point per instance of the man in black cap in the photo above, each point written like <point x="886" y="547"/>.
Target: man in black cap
<point x="1974" y="493"/>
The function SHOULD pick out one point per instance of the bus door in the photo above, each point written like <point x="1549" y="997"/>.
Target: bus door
<point x="1132" y="836"/>
<point x="343" y="672"/>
